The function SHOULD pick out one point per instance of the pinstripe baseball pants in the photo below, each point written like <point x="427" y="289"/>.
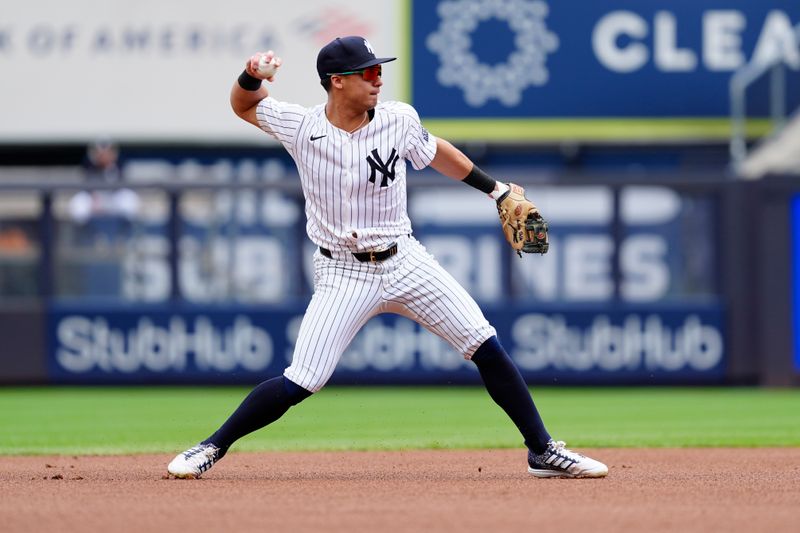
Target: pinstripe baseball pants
<point x="347" y="293"/>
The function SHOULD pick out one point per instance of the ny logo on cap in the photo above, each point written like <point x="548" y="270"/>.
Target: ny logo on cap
<point x="369" y="47"/>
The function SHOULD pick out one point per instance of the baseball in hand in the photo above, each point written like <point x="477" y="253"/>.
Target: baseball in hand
<point x="267" y="67"/>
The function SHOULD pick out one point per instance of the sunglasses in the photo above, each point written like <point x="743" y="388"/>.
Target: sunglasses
<point x="368" y="74"/>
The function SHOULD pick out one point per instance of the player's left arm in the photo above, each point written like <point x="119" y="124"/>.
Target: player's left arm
<point x="439" y="154"/>
<point x="454" y="164"/>
<point x="522" y="225"/>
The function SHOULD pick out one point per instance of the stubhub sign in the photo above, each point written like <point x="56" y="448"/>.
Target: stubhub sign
<point x="578" y="58"/>
<point x="607" y="345"/>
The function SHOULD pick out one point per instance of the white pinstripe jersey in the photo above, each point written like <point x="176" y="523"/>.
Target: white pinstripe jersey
<point x="354" y="184"/>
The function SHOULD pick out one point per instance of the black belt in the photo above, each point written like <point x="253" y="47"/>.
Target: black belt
<point x="366" y="257"/>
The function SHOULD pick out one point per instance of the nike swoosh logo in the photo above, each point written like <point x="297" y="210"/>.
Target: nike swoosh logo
<point x="315" y="138"/>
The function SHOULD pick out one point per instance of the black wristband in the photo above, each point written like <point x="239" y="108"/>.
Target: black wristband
<point x="248" y="82"/>
<point x="480" y="180"/>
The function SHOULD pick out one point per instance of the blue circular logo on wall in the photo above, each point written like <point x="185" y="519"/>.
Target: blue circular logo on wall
<point x="460" y="65"/>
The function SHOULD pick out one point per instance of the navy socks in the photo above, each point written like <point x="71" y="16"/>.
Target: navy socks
<point x="507" y="388"/>
<point x="264" y="405"/>
<point x="271" y="399"/>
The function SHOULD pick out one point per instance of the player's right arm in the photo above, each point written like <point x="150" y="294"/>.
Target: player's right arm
<point x="247" y="93"/>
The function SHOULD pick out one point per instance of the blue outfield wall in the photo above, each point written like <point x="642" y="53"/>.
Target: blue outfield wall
<point x="163" y="344"/>
<point x="795" y="281"/>
<point x="650" y="313"/>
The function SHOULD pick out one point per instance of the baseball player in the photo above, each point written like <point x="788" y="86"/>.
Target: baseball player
<point x="351" y="155"/>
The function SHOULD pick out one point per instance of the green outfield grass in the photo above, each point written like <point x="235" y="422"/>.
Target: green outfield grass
<point x="167" y="419"/>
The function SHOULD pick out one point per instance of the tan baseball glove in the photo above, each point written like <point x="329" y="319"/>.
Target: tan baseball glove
<point x="523" y="226"/>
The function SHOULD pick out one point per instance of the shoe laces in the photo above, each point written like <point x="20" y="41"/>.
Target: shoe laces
<point x="559" y="447"/>
<point x="201" y="456"/>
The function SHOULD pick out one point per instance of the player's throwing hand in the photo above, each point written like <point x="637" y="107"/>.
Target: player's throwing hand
<point x="263" y="65"/>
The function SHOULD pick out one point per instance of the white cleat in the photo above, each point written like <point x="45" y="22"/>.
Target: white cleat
<point x="558" y="461"/>
<point x="193" y="462"/>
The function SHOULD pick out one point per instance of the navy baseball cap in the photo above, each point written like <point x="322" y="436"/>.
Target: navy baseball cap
<point x="345" y="54"/>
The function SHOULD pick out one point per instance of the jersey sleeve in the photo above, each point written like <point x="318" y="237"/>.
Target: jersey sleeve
<point x="281" y="120"/>
<point x="420" y="144"/>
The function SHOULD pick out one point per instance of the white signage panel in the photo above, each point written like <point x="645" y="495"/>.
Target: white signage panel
<point x="155" y="70"/>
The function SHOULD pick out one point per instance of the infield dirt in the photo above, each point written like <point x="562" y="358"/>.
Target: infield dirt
<point x="474" y="490"/>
